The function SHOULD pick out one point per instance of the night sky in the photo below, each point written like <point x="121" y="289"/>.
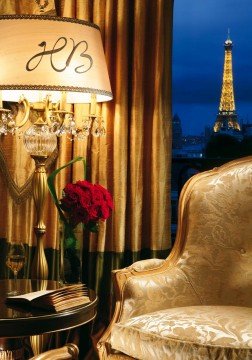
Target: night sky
<point x="200" y="29"/>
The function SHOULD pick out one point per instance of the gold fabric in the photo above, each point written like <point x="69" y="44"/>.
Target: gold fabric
<point x="156" y="292"/>
<point x="119" y="357"/>
<point x="219" y="238"/>
<point x="133" y="160"/>
<point x="146" y="264"/>
<point x="26" y="7"/>
<point x="215" y="267"/>
<point x="196" y="332"/>
<point x="209" y="269"/>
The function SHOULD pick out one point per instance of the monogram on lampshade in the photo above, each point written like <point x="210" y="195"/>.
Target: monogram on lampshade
<point x="52" y="55"/>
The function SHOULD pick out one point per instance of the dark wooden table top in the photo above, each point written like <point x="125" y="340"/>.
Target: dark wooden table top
<point x="26" y="321"/>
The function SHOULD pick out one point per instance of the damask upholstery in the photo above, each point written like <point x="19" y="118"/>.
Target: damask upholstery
<point x="197" y="304"/>
<point x="192" y="332"/>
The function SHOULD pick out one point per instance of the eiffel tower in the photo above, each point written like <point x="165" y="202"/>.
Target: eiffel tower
<point x="226" y="121"/>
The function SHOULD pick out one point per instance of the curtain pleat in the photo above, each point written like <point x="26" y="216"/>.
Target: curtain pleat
<point x="133" y="159"/>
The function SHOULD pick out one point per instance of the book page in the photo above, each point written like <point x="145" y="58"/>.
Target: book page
<point x="32" y="295"/>
<point x="74" y="289"/>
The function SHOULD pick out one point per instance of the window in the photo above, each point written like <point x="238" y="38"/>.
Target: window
<point x="212" y="115"/>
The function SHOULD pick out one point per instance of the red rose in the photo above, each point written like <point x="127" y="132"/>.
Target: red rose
<point x="87" y="203"/>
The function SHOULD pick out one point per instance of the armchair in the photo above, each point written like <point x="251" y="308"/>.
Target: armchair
<point x="196" y="304"/>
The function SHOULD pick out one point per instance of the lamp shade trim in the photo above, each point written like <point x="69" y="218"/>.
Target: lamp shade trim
<point x="57" y="88"/>
<point x="52" y="18"/>
<point x="52" y="54"/>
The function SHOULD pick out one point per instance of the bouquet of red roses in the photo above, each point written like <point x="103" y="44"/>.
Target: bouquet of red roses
<point x="86" y="203"/>
<point x="82" y="202"/>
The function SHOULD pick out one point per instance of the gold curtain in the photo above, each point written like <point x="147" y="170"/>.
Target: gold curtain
<point x="132" y="160"/>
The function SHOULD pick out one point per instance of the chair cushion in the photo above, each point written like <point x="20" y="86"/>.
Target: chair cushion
<point x="193" y="332"/>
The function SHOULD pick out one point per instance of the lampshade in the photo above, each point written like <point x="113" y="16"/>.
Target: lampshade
<point x="52" y="54"/>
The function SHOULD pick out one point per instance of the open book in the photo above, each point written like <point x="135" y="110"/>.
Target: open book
<point x="53" y="300"/>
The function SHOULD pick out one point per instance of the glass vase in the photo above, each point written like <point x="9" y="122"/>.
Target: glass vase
<point x="71" y="246"/>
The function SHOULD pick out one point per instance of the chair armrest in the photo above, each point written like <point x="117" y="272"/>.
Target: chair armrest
<point x="138" y="292"/>
<point x="147" y="264"/>
<point x="69" y="351"/>
<point x="142" y="292"/>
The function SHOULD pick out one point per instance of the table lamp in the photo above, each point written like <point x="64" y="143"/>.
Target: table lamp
<point x="45" y="63"/>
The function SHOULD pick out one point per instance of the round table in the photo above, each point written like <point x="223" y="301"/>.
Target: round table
<point x="16" y="322"/>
